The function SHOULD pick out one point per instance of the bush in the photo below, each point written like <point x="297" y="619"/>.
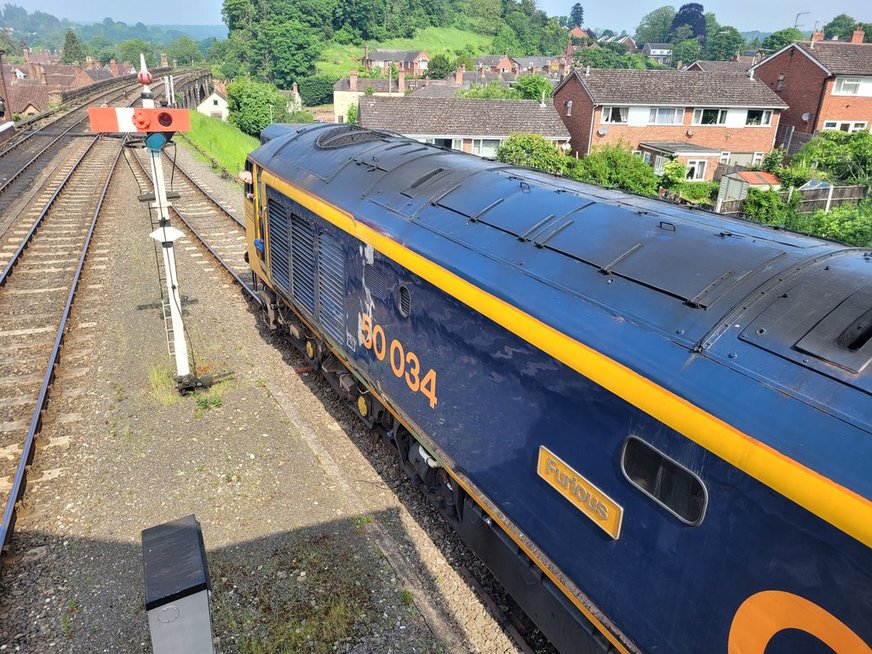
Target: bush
<point x="847" y="223"/>
<point x="846" y="157"/>
<point x="700" y="192"/>
<point x="316" y="90"/>
<point x="532" y="151"/>
<point x="254" y="105"/>
<point x="767" y="207"/>
<point x="615" y="166"/>
<point x="673" y="175"/>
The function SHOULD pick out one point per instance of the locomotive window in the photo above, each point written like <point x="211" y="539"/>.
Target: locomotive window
<point x="405" y="301"/>
<point x="671" y="485"/>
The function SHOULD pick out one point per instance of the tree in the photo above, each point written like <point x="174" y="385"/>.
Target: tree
<point x="184" y="50"/>
<point x="686" y="51"/>
<point x="283" y="51"/>
<point x="316" y="90"/>
<point x="724" y="43"/>
<point x="254" y="105"/>
<point x="74" y="51"/>
<point x="439" y="67"/>
<point x="615" y="166"/>
<point x="576" y="15"/>
<point x="489" y="91"/>
<point x="101" y="49"/>
<point x="655" y="26"/>
<point x="606" y="58"/>
<point x="129" y="51"/>
<point x="691" y="15"/>
<point x="531" y="87"/>
<point x="846" y="157"/>
<point x="532" y="151"/>
<point x="840" y="27"/>
<point x="506" y="42"/>
<point x="777" y="40"/>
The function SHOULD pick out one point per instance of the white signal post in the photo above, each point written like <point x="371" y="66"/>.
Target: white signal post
<point x="166" y="235"/>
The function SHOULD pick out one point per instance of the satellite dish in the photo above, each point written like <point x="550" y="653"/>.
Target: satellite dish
<point x="690" y="132"/>
<point x="806" y="116"/>
<point x="602" y="131"/>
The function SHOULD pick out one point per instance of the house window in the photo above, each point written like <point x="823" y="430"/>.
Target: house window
<point x="759" y="117"/>
<point x="757" y="159"/>
<point x="659" y="162"/>
<point x="485" y="147"/>
<point x="779" y="86"/>
<point x="423" y="63"/>
<point x="568" y="105"/>
<point x="724" y="158"/>
<point x="845" y="125"/>
<point x="215" y="102"/>
<point x="696" y="170"/>
<point x="457" y="144"/>
<point x="666" y="116"/>
<point x="637" y="153"/>
<point x="709" y="116"/>
<point x="847" y="86"/>
<point x="615" y="114"/>
<point x="646" y="157"/>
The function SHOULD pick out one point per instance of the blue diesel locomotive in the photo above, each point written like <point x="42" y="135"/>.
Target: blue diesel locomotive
<point x="654" y="425"/>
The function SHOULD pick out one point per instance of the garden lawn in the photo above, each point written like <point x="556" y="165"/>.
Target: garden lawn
<point x="337" y="59"/>
<point x="222" y="141"/>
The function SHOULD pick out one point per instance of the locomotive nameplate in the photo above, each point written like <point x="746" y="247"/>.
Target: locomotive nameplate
<point x="586" y="497"/>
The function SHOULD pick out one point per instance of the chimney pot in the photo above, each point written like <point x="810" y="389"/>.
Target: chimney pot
<point x="458" y="75"/>
<point x="401" y="82"/>
<point x="817" y="36"/>
<point x="352" y="80"/>
<point x="858" y="35"/>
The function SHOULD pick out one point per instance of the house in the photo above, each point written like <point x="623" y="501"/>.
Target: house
<point x="711" y="66"/>
<point x="215" y="105"/>
<point x="828" y="84"/>
<point x="624" y="39"/>
<point x="495" y="64"/>
<point x="541" y="65"/>
<point x="348" y="91"/>
<point x="659" y="53"/>
<point x="410" y="62"/>
<point x="32" y="99"/>
<point x="579" y="32"/>
<point x="471" y="125"/>
<point x="699" y="118"/>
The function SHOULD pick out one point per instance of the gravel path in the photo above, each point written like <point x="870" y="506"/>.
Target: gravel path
<point x="316" y="541"/>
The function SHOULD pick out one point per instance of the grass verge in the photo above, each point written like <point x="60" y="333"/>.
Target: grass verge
<point x="225" y="143"/>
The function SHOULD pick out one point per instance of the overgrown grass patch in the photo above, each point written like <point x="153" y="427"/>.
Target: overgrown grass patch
<point x="223" y="142"/>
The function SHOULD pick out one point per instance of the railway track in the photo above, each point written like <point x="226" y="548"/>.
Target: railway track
<point x="41" y="266"/>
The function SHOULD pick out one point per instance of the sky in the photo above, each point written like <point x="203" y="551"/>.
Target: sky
<point x="746" y="15"/>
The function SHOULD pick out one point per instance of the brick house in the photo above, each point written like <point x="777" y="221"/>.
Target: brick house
<point x="542" y="65"/>
<point x="624" y="39"/>
<point x="410" y="62"/>
<point x="496" y="64"/>
<point x="471" y="125"/>
<point x="696" y="117"/>
<point x="828" y="84"/>
<point x="715" y="66"/>
<point x="347" y="91"/>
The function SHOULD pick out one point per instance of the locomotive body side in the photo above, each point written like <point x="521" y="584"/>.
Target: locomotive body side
<point x="555" y="458"/>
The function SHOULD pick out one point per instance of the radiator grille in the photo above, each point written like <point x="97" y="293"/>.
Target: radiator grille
<point x="303" y="263"/>
<point x="331" y="286"/>
<point x="279" y="264"/>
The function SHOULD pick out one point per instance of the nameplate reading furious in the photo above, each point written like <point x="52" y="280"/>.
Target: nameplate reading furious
<point x="586" y="497"/>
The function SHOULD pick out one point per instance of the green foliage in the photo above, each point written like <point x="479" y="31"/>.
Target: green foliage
<point x="532" y="151"/>
<point x="615" y="166"/>
<point x="767" y="207"/>
<point x="655" y="26"/>
<point x="184" y="50"/>
<point x="316" y="90"/>
<point x="101" y="49"/>
<point x="840" y="27"/>
<point x="351" y="115"/>
<point x="845" y="157"/>
<point x="723" y="42"/>
<point x="224" y="142"/>
<point x="847" y="223"/>
<point x="674" y="173"/>
<point x="254" y="105"/>
<point x="491" y="90"/>
<point x="74" y="51"/>
<point x="439" y="67"/>
<point x="781" y="38"/>
<point x="698" y="192"/>
<point x="607" y="58"/>
<point x="576" y="16"/>
<point x="129" y="51"/>
<point x="531" y="87"/>
<point x="689" y="16"/>
<point x="507" y="42"/>
<point x="686" y="51"/>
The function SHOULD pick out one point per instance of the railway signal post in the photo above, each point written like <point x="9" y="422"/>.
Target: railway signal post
<point x="158" y="125"/>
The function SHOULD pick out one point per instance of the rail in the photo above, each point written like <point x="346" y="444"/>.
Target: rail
<point x="20" y="481"/>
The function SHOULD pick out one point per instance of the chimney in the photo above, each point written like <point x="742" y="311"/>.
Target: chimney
<point x="113" y="66"/>
<point x="587" y="72"/>
<point x="352" y="80"/>
<point x="401" y="82"/>
<point x="817" y="36"/>
<point x="163" y="60"/>
<point x="458" y="75"/>
<point x="858" y="35"/>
